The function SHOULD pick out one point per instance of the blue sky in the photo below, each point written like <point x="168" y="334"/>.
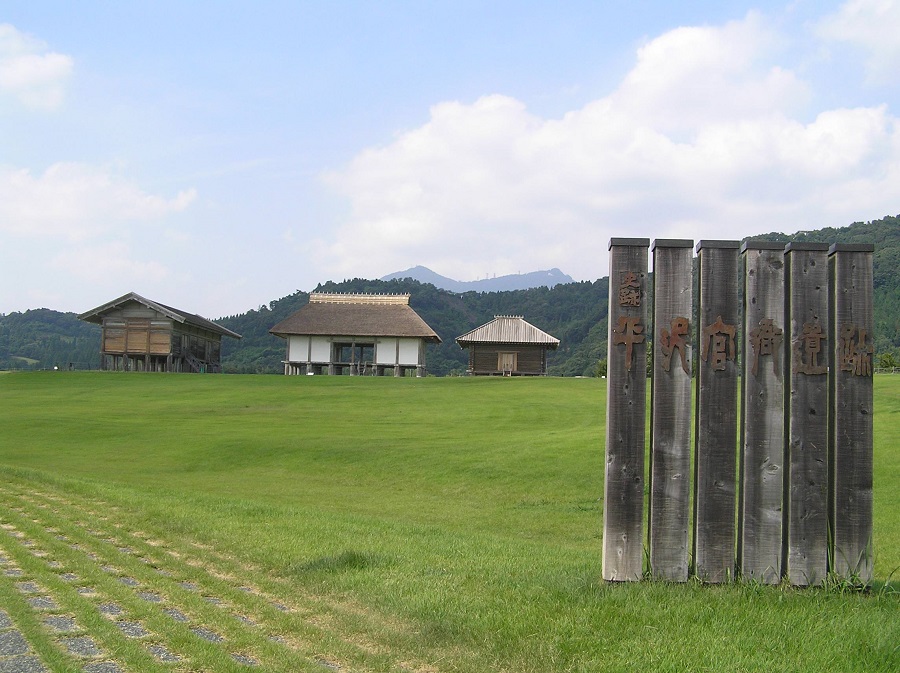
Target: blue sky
<point x="215" y="156"/>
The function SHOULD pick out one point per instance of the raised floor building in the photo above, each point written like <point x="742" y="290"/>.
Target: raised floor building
<point x="355" y="334"/>
<point x="143" y="335"/>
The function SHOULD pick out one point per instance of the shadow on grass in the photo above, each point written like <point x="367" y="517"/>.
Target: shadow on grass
<point x="345" y="561"/>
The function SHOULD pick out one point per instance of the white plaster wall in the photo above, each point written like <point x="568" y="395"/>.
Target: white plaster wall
<point x="409" y="351"/>
<point x="386" y="351"/>
<point x="321" y="349"/>
<point x="298" y="348"/>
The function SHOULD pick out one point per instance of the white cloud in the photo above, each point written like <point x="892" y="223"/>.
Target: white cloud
<point x="110" y="262"/>
<point x="696" y="75"/>
<point x="872" y="26"/>
<point x="699" y="141"/>
<point x="77" y="201"/>
<point x="29" y="72"/>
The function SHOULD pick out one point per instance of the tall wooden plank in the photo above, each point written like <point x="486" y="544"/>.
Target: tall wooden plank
<point x="670" y="426"/>
<point x="806" y="522"/>
<point x="623" y="494"/>
<point x="761" y="485"/>
<point x="851" y="400"/>
<point x="715" y="462"/>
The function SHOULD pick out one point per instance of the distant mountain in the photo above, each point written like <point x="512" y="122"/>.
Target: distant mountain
<point x="517" y="281"/>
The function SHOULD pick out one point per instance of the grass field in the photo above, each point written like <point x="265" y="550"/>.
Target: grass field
<point x="381" y="524"/>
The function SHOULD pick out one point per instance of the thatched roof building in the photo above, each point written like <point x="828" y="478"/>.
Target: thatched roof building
<point x="355" y="334"/>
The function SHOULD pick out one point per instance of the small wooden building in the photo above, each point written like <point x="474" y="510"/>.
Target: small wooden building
<point x="143" y="335"/>
<point x="355" y="334"/>
<point x="507" y="346"/>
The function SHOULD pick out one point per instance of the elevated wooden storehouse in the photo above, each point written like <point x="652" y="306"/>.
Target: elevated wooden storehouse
<point x="507" y="346"/>
<point x="143" y="335"/>
<point x="355" y="334"/>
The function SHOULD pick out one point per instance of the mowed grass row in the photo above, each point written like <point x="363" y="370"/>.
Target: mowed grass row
<point x="452" y="523"/>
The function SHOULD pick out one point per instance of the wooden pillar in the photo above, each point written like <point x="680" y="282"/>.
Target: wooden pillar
<point x="806" y="492"/>
<point x="761" y="484"/>
<point x="670" y="426"/>
<point x="851" y="400"/>
<point x="715" y="463"/>
<point x="623" y="494"/>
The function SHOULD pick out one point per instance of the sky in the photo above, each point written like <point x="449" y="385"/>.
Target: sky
<point x="215" y="156"/>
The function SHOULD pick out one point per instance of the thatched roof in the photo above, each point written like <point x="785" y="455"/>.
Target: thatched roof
<point x="96" y="315"/>
<point x="507" y="329"/>
<point x="358" y="315"/>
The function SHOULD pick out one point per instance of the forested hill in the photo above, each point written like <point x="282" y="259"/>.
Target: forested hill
<point x="43" y="339"/>
<point x="885" y="235"/>
<point x="575" y="313"/>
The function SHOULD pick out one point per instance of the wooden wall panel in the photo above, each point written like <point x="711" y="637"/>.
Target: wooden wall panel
<point x="485" y="357"/>
<point x="113" y="340"/>
<point x="160" y="341"/>
<point x="137" y="337"/>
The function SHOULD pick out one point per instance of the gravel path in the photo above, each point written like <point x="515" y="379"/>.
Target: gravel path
<point x="95" y="598"/>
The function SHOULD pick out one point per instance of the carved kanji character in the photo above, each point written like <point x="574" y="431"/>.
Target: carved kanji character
<point x="807" y="349"/>
<point x="628" y="331"/>
<point x="672" y="339"/>
<point x="630" y="290"/>
<point x="718" y="338"/>
<point x="765" y="340"/>
<point x="854" y="354"/>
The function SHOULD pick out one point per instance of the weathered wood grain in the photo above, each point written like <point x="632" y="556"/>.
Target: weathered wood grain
<point x="715" y="461"/>
<point x="761" y="485"/>
<point x="670" y="426"/>
<point x="623" y="496"/>
<point x="806" y="538"/>
<point x="851" y="400"/>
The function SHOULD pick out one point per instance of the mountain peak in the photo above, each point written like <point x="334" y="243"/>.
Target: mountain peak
<point x="517" y="281"/>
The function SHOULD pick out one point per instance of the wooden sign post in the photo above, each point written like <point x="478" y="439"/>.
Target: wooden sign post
<point x="716" y="419"/>
<point x="806" y="520"/>
<point x="850" y="455"/>
<point x="623" y="494"/>
<point x="761" y="486"/>
<point x="670" y="425"/>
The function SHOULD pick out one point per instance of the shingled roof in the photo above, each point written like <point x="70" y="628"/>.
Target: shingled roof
<point x="507" y="329"/>
<point x="96" y="315"/>
<point x="361" y="315"/>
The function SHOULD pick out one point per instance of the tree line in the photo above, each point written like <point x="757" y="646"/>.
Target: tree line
<point x="575" y="313"/>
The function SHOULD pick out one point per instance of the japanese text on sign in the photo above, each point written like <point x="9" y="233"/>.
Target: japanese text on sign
<point x="807" y="350"/>
<point x="854" y="354"/>
<point x="630" y="290"/>
<point x="628" y="331"/>
<point x="718" y="344"/>
<point x="765" y="340"/>
<point x="673" y="339"/>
